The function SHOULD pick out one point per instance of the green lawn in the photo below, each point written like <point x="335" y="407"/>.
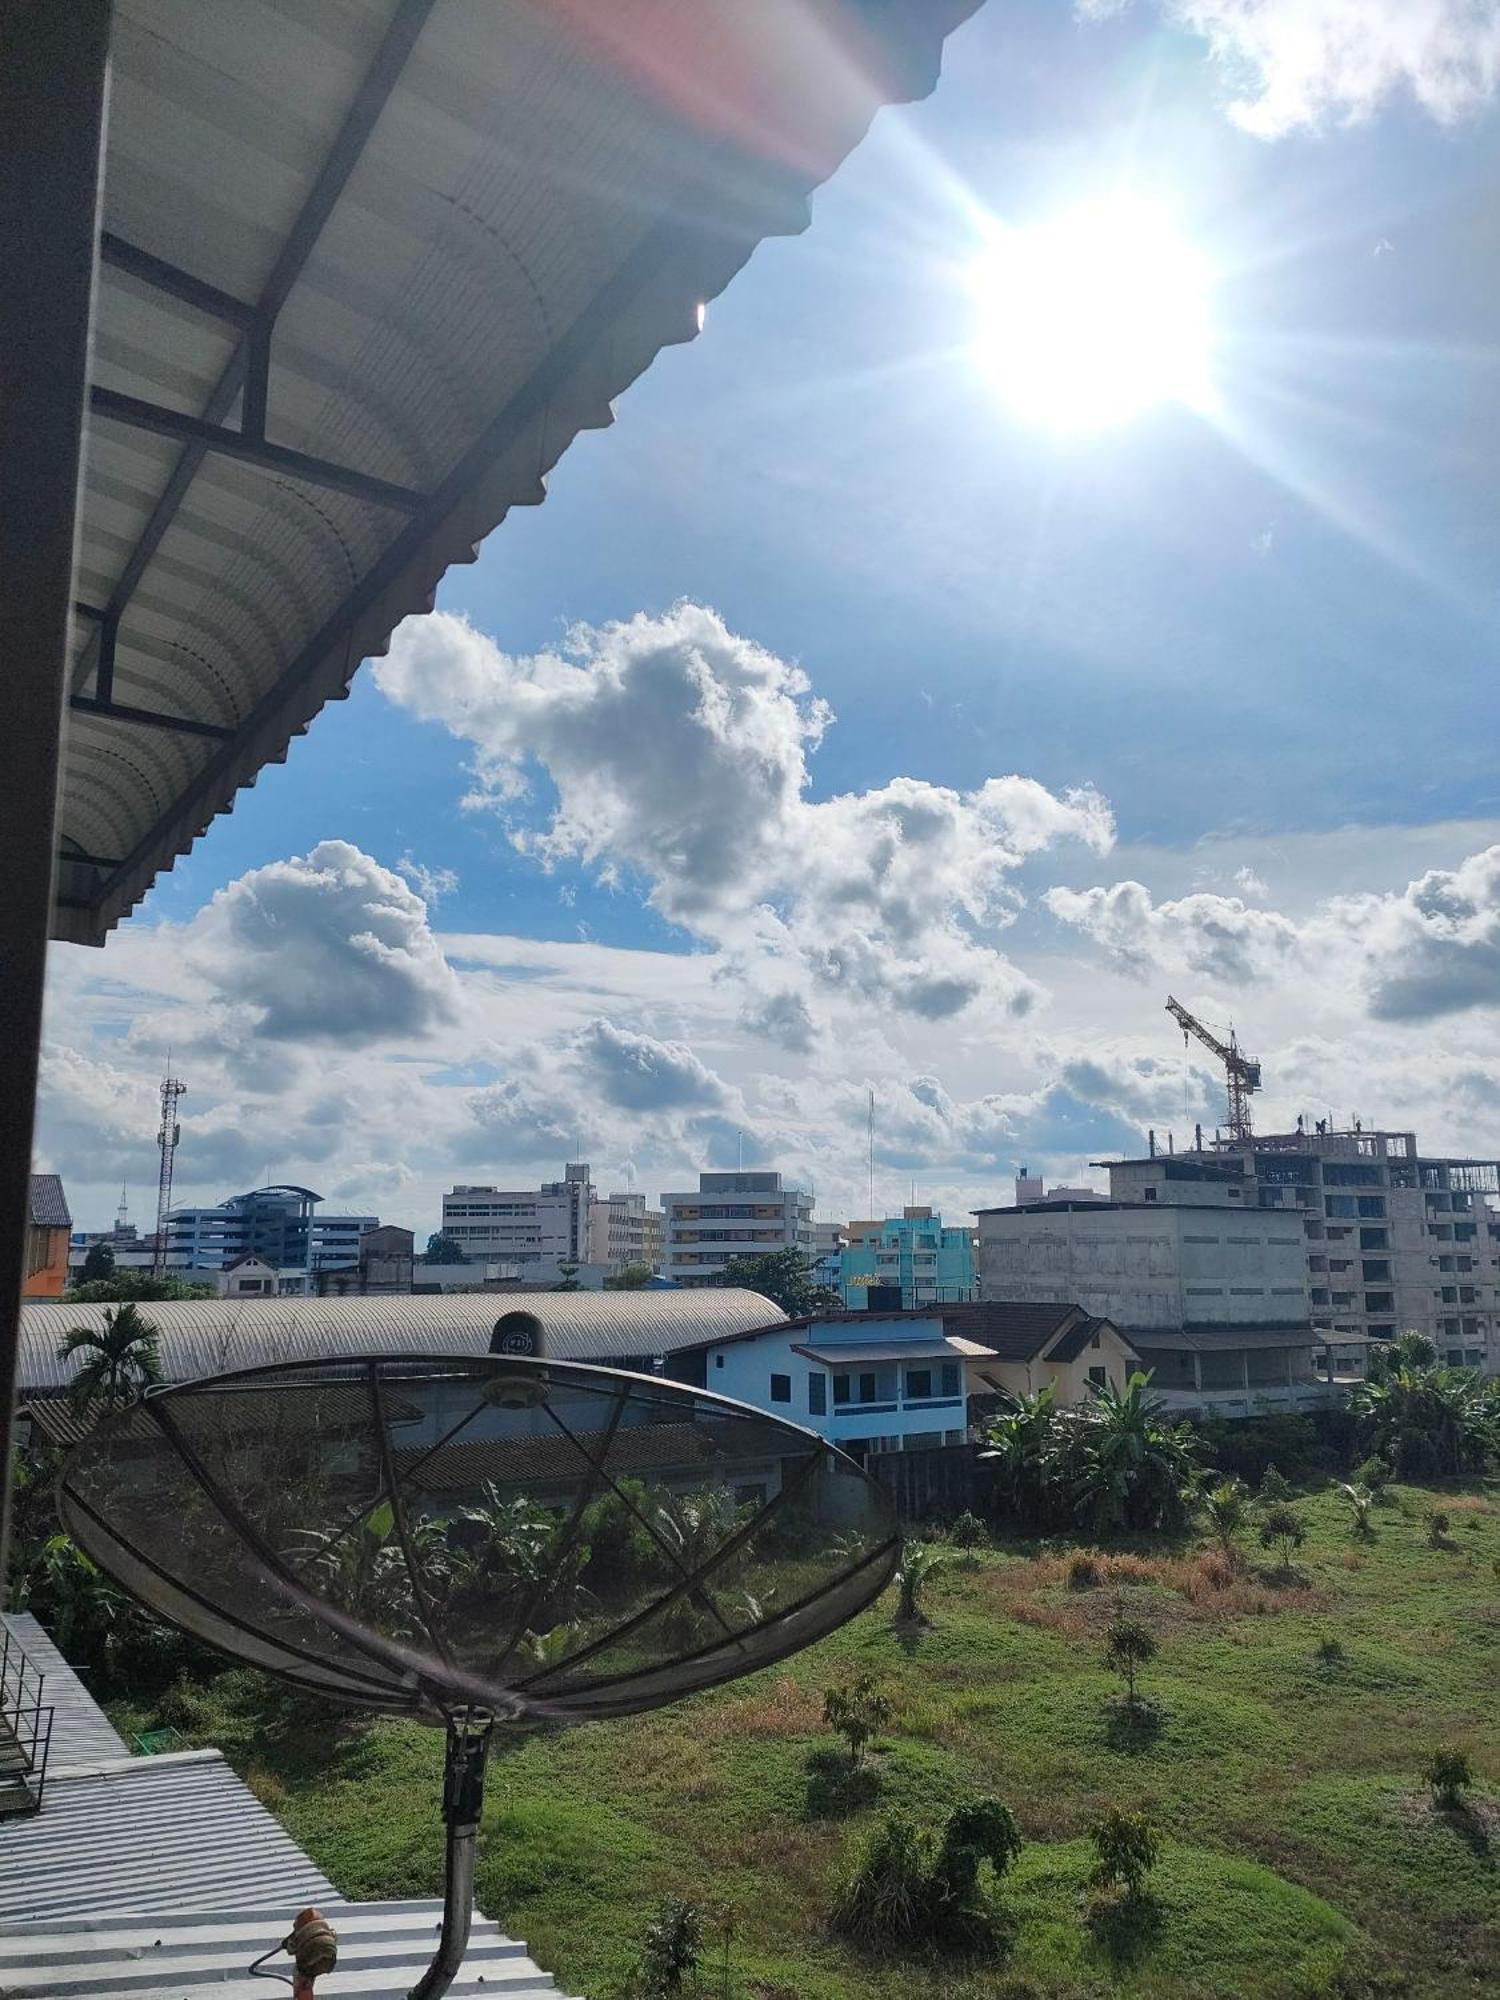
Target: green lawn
<point x="1303" y="1857"/>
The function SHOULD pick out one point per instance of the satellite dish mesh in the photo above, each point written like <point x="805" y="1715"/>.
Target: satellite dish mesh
<point x="428" y="1535"/>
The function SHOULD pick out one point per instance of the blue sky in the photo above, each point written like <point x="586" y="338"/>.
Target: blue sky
<point x="1263" y="637"/>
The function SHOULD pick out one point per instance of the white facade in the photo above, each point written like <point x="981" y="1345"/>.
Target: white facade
<point x="1392" y="1241"/>
<point x="530" y="1228"/>
<point x="619" y="1233"/>
<point x="1144" y="1265"/>
<point x="834" y="1379"/>
<point x="733" y="1214"/>
<point x="1032" y="1188"/>
<point x="282" y="1225"/>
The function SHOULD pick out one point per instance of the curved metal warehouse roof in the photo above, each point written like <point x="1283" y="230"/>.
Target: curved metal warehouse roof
<point x="208" y="1336"/>
<point x="368" y="268"/>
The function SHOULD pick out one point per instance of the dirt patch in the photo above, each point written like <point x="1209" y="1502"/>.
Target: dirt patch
<point x="1476" y="1821"/>
<point x="1182" y="1590"/>
<point x="783" y="1709"/>
<point x="1470" y="1503"/>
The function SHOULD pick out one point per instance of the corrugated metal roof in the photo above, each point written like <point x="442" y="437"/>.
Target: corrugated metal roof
<point x="470" y="228"/>
<point x="49" y="1205"/>
<point x="81" y="1731"/>
<point x="177" y="1832"/>
<point x="1222" y="1339"/>
<point x="210" y="1336"/>
<point x="383" y="1950"/>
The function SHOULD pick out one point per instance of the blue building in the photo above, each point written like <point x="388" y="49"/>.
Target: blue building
<point x="929" y="1262"/>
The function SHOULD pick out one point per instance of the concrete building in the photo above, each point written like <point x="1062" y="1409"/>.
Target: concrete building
<point x="534" y="1229"/>
<point x="618" y="1233"/>
<point x="48" y="1228"/>
<point x="246" y="1278"/>
<point x="1393" y="1240"/>
<point x="280" y="1225"/>
<point x="1031" y="1187"/>
<point x="746" y="1213"/>
<point x="915" y="1254"/>
<point x="830" y="1240"/>
<point x="654" y="1238"/>
<point x="1213" y="1296"/>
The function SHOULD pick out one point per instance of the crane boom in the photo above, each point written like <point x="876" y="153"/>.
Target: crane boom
<point x="1241" y="1072"/>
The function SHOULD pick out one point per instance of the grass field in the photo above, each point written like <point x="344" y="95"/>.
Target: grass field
<point x="1303" y="1856"/>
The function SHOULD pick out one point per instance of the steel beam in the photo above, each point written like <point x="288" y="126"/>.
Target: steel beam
<point x="185" y="429"/>
<point x="54" y="65"/>
<point x="148" y="718"/>
<point x="369" y="101"/>
<point x="178" y="284"/>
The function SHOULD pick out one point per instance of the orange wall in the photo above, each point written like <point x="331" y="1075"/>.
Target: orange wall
<point x="46" y="1264"/>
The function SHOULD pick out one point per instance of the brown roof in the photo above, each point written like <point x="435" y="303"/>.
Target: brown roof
<point x="49" y="1205"/>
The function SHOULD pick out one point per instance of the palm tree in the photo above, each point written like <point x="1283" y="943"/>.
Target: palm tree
<point x="1224" y="1504"/>
<point x="1133" y="1468"/>
<point x="1429" y="1423"/>
<point x="123" y="1358"/>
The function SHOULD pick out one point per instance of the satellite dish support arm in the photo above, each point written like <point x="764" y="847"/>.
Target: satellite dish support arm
<point x="468" y="1749"/>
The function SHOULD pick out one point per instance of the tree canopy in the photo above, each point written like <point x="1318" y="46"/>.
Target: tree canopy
<point x="442" y="1249"/>
<point x="120" y="1358"/>
<point x="137" y="1288"/>
<point x="99" y="1263"/>
<point x="785" y="1276"/>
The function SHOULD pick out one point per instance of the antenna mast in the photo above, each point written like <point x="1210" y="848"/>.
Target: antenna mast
<point x="166" y="1139"/>
<point x="872" y="1153"/>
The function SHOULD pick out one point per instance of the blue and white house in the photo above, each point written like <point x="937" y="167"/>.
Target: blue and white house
<point x="867" y="1381"/>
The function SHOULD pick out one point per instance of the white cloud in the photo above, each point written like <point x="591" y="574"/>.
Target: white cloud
<point x="325" y="947"/>
<point x="678" y="752"/>
<point x="1294" y="64"/>
<point x="636" y="1072"/>
<point x="431" y="884"/>
<point x="1218" y="937"/>
<point x="1435" y="947"/>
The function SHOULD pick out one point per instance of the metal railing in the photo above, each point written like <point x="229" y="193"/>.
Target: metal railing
<point x="25" y="1728"/>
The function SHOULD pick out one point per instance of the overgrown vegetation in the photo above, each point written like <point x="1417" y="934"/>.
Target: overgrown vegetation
<point x="912" y="1887"/>
<point x="1113" y="1464"/>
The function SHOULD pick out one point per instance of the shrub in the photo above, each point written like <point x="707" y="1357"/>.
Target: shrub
<point x="670" y="1949"/>
<point x="1127" y="1847"/>
<point x="1244" y="1447"/>
<point x="968" y="1531"/>
<point x="1330" y="1653"/>
<point x="908" y="1887"/>
<point x="1128" y="1647"/>
<point x="856" y="1712"/>
<point x="919" y="1564"/>
<point x="1374" y="1472"/>
<point x="1359" y="1500"/>
<point x="1117" y="1462"/>
<point x="1449" y="1773"/>
<point x="1274" y="1489"/>
<point x="1282" y="1528"/>
<point x="1083" y="1570"/>
<point x="1438" y="1524"/>
<point x="1224" y="1505"/>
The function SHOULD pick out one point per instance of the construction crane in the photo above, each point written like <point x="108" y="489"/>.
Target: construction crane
<point x="166" y="1140"/>
<point x="1241" y="1072"/>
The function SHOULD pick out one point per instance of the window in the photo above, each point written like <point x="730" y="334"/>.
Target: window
<point x="867" y="1388"/>
<point x="1150" y="1194"/>
<point x="950" y="1378"/>
<point x="1099" y="1377"/>
<point x="1473" y="1357"/>
<point x="1449" y="1295"/>
<point x="1094" y="1342"/>
<point x="817" y="1394"/>
<point x="1376" y="1270"/>
<point x="1455" y="1357"/>
<point x="781" y="1388"/>
<point x="718" y="1361"/>
<point x="1372" y="1204"/>
<point x="840" y="1389"/>
<point x="919" y="1384"/>
<point x="1379" y="1302"/>
<point x="1374" y="1239"/>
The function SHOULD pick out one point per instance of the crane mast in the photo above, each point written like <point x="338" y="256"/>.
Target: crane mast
<point x="1241" y="1072"/>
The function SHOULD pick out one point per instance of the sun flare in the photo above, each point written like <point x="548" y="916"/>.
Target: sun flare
<point x="1095" y="316"/>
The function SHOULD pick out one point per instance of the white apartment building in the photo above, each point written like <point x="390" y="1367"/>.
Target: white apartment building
<point x="1393" y="1240"/>
<point x="621" y="1232"/>
<point x="1149" y="1266"/>
<point x="745" y="1213"/>
<point x="281" y="1225"/>
<point x="534" y="1229"/>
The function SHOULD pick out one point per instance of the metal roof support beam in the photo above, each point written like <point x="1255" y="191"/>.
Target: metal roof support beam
<point x="175" y="282"/>
<point x="256" y="451"/>
<point x="79" y="859"/>
<point x="369" y="101"/>
<point x="54" y="64"/>
<point x="149" y="718"/>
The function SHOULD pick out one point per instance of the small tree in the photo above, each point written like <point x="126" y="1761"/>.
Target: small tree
<point x="1374" y="1472"/>
<point x="784" y="1276"/>
<point x="1438" y="1524"/>
<point x="632" y="1278"/>
<point x="1275" y="1490"/>
<point x="121" y="1358"/>
<point x="1359" y="1500"/>
<point x="1449" y="1773"/>
<point x="919" y="1564"/>
<point x="444" y="1249"/>
<point x="98" y="1264"/>
<point x="1224" y="1505"/>
<point x="1127" y="1846"/>
<point x="567" y="1279"/>
<point x="856" y="1712"/>
<point x="670" y="1949"/>
<point x="1282" y="1528"/>
<point x="967" y="1531"/>
<point x="1128" y="1647"/>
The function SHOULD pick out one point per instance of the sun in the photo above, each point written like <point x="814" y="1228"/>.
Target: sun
<point x="1095" y="316"/>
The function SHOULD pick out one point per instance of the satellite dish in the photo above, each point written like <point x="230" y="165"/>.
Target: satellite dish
<point x="478" y="1537"/>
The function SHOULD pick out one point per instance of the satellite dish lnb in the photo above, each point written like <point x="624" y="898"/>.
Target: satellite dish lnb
<point x="479" y="1537"/>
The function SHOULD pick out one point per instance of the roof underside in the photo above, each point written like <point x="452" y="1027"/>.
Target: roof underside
<point x="429" y="242"/>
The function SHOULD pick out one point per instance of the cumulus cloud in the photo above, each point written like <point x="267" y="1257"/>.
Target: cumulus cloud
<point x="1219" y="937"/>
<point x="677" y="754"/>
<point x="1294" y="64"/>
<point x="325" y="947"/>
<point x="1434" y="948"/>
<point x="431" y="884"/>
<point x="636" y="1072"/>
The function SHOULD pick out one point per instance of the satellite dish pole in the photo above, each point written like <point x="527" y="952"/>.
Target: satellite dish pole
<point x="166" y="1140"/>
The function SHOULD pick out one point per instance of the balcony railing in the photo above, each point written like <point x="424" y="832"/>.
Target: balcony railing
<point x="25" y="1729"/>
